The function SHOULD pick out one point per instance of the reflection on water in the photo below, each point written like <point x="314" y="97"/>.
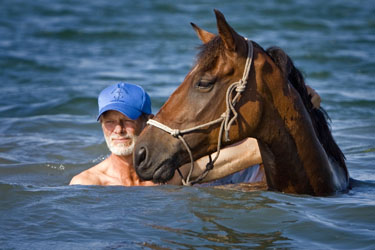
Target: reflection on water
<point x="217" y="235"/>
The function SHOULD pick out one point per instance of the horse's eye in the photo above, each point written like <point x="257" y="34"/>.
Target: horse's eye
<point x="205" y="84"/>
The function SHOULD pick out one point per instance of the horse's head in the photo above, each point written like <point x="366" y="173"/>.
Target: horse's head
<point x="297" y="147"/>
<point x="201" y="98"/>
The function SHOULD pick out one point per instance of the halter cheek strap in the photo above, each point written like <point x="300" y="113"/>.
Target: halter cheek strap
<point x="226" y="119"/>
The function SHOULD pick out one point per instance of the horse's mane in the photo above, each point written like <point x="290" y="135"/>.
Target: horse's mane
<point x="319" y="117"/>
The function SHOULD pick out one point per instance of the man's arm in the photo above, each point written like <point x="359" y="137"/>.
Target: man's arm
<point x="232" y="159"/>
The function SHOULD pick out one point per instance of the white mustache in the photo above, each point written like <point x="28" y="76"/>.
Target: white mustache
<point x="121" y="149"/>
<point x="121" y="137"/>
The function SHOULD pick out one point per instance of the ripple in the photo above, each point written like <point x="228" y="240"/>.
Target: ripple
<point x="24" y="62"/>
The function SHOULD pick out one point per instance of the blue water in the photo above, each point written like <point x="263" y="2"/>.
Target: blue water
<point x="56" y="56"/>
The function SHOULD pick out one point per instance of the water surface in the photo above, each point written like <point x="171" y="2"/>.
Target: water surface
<point x="56" y="56"/>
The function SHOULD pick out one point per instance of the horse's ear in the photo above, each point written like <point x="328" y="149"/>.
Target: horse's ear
<point x="205" y="36"/>
<point x="227" y="33"/>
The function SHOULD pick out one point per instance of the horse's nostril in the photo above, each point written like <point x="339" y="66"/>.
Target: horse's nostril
<point x="141" y="156"/>
<point x="141" y="164"/>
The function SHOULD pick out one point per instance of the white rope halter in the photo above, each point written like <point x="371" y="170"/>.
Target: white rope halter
<point x="225" y="119"/>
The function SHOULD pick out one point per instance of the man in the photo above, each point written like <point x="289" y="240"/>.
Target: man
<point x="123" y="112"/>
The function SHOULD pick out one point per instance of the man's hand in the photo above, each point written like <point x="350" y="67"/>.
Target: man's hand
<point x="315" y="97"/>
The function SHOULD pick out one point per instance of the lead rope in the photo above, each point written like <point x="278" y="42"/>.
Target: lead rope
<point x="225" y="119"/>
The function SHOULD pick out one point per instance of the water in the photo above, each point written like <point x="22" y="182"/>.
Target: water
<point x="56" y="56"/>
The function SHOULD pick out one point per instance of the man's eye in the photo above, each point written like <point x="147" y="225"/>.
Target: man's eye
<point x="109" y="122"/>
<point x="129" y="122"/>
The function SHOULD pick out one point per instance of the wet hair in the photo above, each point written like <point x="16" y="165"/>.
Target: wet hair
<point x="319" y="117"/>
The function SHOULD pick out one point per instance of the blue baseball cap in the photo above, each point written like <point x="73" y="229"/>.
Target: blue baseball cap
<point x="129" y="99"/>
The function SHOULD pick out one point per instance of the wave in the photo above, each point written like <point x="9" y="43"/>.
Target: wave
<point x="81" y="35"/>
<point x="61" y="105"/>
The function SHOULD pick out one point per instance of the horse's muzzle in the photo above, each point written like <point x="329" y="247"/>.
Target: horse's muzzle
<point x="141" y="164"/>
<point x="152" y="165"/>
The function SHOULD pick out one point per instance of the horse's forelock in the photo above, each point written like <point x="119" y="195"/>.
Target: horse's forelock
<point x="209" y="53"/>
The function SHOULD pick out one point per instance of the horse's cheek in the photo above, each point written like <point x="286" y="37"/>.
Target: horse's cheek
<point x="251" y="113"/>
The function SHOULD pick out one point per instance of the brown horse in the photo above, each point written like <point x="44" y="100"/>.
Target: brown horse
<point x="298" y="151"/>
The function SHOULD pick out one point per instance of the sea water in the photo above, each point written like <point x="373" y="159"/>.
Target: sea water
<point x="56" y="56"/>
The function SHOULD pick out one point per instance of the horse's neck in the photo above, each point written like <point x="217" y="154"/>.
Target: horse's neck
<point x="292" y="154"/>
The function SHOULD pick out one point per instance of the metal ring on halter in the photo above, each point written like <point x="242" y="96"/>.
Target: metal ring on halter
<point x="225" y="119"/>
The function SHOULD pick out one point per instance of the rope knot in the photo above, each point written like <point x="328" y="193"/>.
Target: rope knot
<point x="241" y="88"/>
<point x="175" y="132"/>
<point x="209" y="166"/>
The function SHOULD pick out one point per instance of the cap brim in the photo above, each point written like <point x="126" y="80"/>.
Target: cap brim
<point x="126" y="110"/>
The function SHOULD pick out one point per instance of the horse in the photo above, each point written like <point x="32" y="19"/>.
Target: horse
<point x="213" y="108"/>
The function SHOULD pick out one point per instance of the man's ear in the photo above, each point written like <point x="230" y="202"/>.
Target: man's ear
<point x="144" y="118"/>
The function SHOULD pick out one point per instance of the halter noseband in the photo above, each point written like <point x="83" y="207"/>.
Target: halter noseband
<point x="225" y="120"/>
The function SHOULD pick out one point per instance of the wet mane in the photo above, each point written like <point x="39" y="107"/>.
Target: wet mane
<point x="319" y="117"/>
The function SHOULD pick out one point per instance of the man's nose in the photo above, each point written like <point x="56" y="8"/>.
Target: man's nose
<point x="119" y="128"/>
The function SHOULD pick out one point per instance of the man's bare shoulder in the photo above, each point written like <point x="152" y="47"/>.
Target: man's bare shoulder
<point x="90" y="176"/>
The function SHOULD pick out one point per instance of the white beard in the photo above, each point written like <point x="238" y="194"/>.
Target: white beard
<point x="121" y="149"/>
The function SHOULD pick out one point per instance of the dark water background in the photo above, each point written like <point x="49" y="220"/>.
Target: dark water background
<point x="56" y="56"/>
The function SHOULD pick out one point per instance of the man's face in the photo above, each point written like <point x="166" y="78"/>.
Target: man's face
<point x="121" y="132"/>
